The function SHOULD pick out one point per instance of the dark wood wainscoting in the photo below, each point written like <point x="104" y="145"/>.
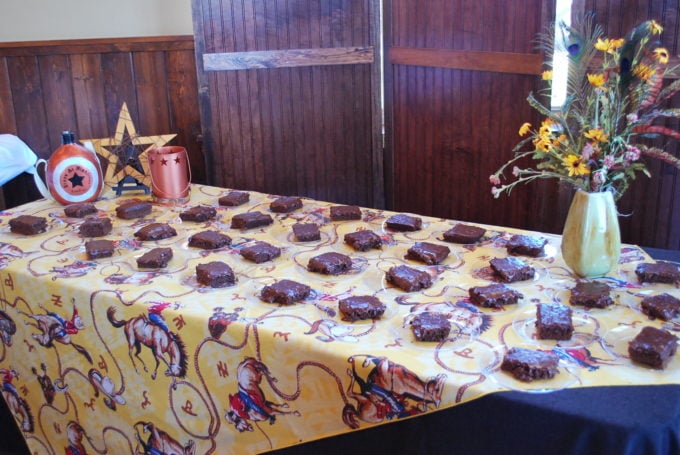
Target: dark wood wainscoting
<point x="81" y="85"/>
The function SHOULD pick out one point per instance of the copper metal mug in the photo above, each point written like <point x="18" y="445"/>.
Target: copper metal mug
<point x="170" y="174"/>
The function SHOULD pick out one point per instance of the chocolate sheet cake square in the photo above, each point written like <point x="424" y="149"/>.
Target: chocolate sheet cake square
<point x="345" y="212"/>
<point x="156" y="258"/>
<point x="80" y="210"/>
<point x="285" y="204"/>
<point x="512" y="269"/>
<point x="429" y="253"/>
<point x="250" y="220"/>
<point x="662" y="306"/>
<point x="404" y="222"/>
<point x="591" y="294"/>
<point x="285" y="292"/>
<point x="363" y="240"/>
<point x="259" y="252"/>
<point x="528" y="364"/>
<point x="430" y="326"/>
<point x="198" y="213"/>
<point x="553" y="322"/>
<point x="361" y="307"/>
<point x="155" y="231"/>
<point x="133" y="209"/>
<point x="96" y="249"/>
<point x="526" y="245"/>
<point x="234" y="198"/>
<point x="464" y="233"/>
<point x="408" y="279"/>
<point x="330" y="263"/>
<point x="494" y="295"/>
<point x="658" y="272"/>
<point x="306" y="232"/>
<point x="209" y="240"/>
<point x="95" y="227"/>
<point x="215" y="274"/>
<point x="653" y="347"/>
<point x="28" y="224"/>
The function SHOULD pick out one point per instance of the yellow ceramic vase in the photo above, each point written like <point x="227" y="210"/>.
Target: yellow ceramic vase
<point x="591" y="240"/>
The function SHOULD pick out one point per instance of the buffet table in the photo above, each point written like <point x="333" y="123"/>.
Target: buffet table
<point x="104" y="356"/>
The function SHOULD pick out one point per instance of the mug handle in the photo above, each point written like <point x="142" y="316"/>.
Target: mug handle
<point x="39" y="182"/>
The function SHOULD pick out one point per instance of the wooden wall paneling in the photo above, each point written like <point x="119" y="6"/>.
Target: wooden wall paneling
<point x="55" y="74"/>
<point x="88" y="92"/>
<point x="184" y="112"/>
<point x="289" y="129"/>
<point x="150" y="71"/>
<point x="118" y="75"/>
<point x="8" y="123"/>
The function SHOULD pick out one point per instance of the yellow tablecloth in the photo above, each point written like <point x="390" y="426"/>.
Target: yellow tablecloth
<point x="236" y="375"/>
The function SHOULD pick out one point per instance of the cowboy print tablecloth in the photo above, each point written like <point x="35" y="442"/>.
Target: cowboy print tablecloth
<point x="100" y="356"/>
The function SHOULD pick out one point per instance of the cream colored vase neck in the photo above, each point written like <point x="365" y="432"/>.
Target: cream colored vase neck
<point x="591" y="240"/>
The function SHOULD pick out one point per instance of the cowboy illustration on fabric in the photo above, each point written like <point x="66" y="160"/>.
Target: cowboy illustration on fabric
<point x="156" y="315"/>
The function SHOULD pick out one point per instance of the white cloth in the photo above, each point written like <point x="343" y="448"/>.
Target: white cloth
<point x="15" y="157"/>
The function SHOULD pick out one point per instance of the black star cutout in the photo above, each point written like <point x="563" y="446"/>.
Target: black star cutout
<point x="76" y="180"/>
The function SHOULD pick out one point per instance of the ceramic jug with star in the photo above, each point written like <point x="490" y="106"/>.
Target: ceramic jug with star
<point x="73" y="173"/>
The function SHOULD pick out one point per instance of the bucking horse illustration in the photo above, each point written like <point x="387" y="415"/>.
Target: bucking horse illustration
<point x="54" y="327"/>
<point x="7" y="328"/>
<point x="159" y="442"/>
<point x="250" y="403"/>
<point x="16" y="404"/>
<point x="165" y="346"/>
<point x="389" y="390"/>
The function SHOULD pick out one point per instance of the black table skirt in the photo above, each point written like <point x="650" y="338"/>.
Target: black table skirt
<point x="639" y="420"/>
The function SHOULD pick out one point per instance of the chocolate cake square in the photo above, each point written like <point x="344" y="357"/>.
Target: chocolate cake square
<point x="155" y="259"/>
<point x="494" y="295"/>
<point x="198" y="213"/>
<point x="658" y="272"/>
<point x="28" y="224"/>
<point x="526" y="245"/>
<point x="80" y="210"/>
<point x="285" y="204"/>
<point x="215" y="274"/>
<point x="428" y="253"/>
<point x="653" y="347"/>
<point x="553" y="322"/>
<point x="663" y="306"/>
<point x="408" y="279"/>
<point x="95" y="227"/>
<point x="285" y="292"/>
<point x="512" y="269"/>
<point x="133" y="209"/>
<point x="403" y="222"/>
<point x="209" y="240"/>
<point x="528" y="364"/>
<point x="361" y="307"/>
<point x="330" y="263"/>
<point x="250" y="220"/>
<point x="464" y="233"/>
<point x="363" y="240"/>
<point x="345" y="212"/>
<point x="234" y="198"/>
<point x="96" y="249"/>
<point x="591" y="294"/>
<point x="430" y="326"/>
<point x="259" y="252"/>
<point x="155" y="231"/>
<point x="306" y="232"/>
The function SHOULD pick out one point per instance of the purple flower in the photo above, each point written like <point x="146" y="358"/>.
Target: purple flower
<point x="632" y="153"/>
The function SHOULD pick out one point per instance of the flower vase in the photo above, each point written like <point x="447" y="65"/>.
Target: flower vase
<point x="591" y="240"/>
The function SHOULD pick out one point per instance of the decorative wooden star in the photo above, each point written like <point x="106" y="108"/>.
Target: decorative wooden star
<point x="126" y="153"/>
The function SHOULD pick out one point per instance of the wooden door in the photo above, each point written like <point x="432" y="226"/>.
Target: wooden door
<point x="289" y="97"/>
<point x="457" y="76"/>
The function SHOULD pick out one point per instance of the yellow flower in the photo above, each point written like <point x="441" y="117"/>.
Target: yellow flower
<point x="543" y="144"/>
<point x="524" y="129"/>
<point x="608" y="45"/>
<point x="655" y="27"/>
<point x="596" y="80"/>
<point x="643" y="71"/>
<point x="616" y="43"/>
<point x="602" y="45"/>
<point x="661" y="55"/>
<point x="547" y="75"/>
<point x="575" y="166"/>
<point x="596" y="134"/>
